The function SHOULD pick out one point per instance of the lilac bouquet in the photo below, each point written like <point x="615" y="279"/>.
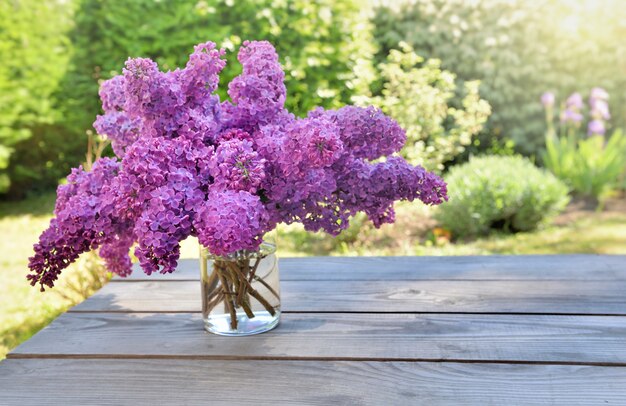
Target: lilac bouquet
<point x="226" y="172"/>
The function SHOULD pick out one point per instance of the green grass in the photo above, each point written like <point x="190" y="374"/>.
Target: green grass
<point x="24" y="310"/>
<point x="595" y="234"/>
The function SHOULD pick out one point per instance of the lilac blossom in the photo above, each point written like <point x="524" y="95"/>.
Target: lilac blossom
<point x="237" y="166"/>
<point x="231" y="220"/>
<point x="225" y="172"/>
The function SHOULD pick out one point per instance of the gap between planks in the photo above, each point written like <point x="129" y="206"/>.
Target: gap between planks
<point x="305" y="359"/>
<point x="113" y="311"/>
<point x="381" y="279"/>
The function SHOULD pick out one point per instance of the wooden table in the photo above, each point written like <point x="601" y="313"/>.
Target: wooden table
<point x="533" y="330"/>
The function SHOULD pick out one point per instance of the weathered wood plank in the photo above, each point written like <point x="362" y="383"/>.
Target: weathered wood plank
<point x="498" y="267"/>
<point x="565" y="339"/>
<point x="191" y="382"/>
<point x="538" y="297"/>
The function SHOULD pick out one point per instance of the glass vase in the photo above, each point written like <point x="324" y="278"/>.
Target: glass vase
<point x="240" y="291"/>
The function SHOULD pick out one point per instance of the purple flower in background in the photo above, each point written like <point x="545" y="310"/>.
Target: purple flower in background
<point x="575" y="101"/>
<point x="599" y="93"/>
<point x="596" y="127"/>
<point x="224" y="172"/>
<point x="598" y="102"/>
<point x="572" y="112"/>
<point x="547" y="99"/>
<point x="599" y="109"/>
<point x="571" y="116"/>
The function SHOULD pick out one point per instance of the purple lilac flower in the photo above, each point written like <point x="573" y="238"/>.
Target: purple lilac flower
<point x="225" y="172"/>
<point x="596" y="127"/>
<point x="547" y="99"/>
<point x="259" y="92"/>
<point x="366" y="132"/>
<point x="231" y="220"/>
<point x="121" y="129"/>
<point x="237" y="166"/>
<point x="86" y="217"/>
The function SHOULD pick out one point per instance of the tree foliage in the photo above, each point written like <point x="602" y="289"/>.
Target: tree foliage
<point x="517" y="49"/>
<point x="34" y="54"/>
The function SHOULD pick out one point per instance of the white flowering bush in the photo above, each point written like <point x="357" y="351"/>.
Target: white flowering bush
<point x="417" y="93"/>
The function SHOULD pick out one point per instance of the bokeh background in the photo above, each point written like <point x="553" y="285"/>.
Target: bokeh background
<point x="465" y="78"/>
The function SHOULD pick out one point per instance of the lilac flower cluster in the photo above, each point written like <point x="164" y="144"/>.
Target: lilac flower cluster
<point x="226" y="172"/>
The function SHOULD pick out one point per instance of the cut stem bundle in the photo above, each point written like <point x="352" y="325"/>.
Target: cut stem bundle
<point x="232" y="282"/>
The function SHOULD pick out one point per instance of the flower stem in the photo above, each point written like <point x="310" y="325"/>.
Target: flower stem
<point x="235" y="289"/>
<point x="254" y="293"/>
<point x="228" y="297"/>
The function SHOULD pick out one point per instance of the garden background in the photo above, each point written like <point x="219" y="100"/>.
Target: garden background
<point x="527" y="174"/>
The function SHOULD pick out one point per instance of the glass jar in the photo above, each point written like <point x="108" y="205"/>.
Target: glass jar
<point x="240" y="291"/>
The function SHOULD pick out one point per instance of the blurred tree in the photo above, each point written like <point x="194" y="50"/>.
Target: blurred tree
<point x="517" y="49"/>
<point x="34" y="55"/>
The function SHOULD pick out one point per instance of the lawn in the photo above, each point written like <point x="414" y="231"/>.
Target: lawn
<point x="24" y="310"/>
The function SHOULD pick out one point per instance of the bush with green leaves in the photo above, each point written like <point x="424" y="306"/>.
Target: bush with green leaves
<point x="34" y="51"/>
<point x="517" y="49"/>
<point x="417" y="93"/>
<point x="591" y="167"/>
<point x="500" y="193"/>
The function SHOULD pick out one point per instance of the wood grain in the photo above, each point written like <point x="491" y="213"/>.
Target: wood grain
<point x="501" y="338"/>
<point x="533" y="297"/>
<point x="191" y="382"/>
<point x="533" y="330"/>
<point x="497" y="267"/>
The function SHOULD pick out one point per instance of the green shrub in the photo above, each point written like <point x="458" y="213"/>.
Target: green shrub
<point x="416" y="93"/>
<point x="592" y="166"/>
<point x="517" y="49"/>
<point x="34" y="51"/>
<point x="498" y="192"/>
